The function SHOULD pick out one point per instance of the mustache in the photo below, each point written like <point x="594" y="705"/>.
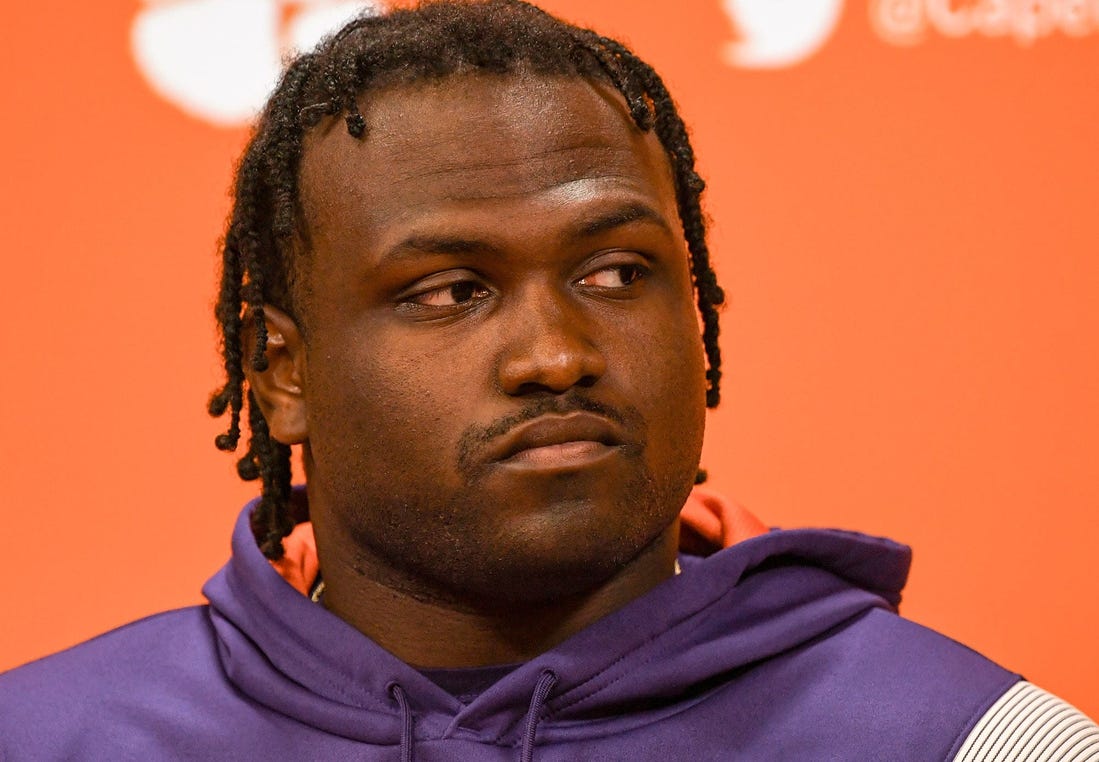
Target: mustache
<point x="475" y="437"/>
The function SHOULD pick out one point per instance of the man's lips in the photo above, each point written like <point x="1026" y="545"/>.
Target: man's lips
<point x="554" y="440"/>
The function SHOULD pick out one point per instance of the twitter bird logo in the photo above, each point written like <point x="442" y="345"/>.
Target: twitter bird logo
<point x="772" y="34"/>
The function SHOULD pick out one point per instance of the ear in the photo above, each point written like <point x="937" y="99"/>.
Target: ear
<point x="279" y="388"/>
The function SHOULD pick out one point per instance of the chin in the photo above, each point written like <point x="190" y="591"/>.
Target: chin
<point x="514" y="542"/>
<point x="565" y="552"/>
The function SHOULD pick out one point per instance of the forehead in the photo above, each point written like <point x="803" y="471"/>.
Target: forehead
<point x="478" y="140"/>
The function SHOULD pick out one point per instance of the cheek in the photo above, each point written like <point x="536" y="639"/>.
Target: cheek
<point x="667" y="370"/>
<point x="385" y="410"/>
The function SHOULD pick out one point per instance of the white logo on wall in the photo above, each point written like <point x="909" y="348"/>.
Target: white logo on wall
<point x="909" y="22"/>
<point x="218" y="60"/>
<point x="773" y="34"/>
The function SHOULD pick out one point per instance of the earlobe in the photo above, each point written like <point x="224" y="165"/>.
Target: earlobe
<point x="279" y="389"/>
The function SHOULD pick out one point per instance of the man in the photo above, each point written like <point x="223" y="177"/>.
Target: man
<point x="465" y="272"/>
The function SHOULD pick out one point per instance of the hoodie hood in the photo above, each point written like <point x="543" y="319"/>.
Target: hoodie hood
<point x="761" y="597"/>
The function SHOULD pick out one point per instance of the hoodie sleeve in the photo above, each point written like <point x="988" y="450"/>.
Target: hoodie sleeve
<point x="1028" y="724"/>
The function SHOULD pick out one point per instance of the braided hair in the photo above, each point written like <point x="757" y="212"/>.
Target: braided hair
<point x="266" y="242"/>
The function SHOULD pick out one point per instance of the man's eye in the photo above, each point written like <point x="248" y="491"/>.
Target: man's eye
<point x="452" y="295"/>
<point x="618" y="276"/>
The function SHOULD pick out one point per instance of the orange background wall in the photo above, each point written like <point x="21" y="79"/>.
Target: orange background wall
<point x="907" y="223"/>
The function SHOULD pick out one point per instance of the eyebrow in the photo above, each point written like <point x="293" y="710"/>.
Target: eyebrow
<point x="620" y="217"/>
<point x="627" y="214"/>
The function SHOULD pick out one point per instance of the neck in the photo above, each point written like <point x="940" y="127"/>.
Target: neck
<point x="444" y="632"/>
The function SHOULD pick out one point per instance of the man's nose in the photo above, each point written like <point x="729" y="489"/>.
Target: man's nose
<point x="550" y="346"/>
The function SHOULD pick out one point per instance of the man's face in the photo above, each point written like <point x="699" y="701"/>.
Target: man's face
<point x="503" y="380"/>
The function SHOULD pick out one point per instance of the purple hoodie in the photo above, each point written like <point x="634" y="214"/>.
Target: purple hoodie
<point x="785" y="646"/>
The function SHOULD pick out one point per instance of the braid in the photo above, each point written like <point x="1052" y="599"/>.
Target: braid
<point x="266" y="240"/>
<point x="260" y="230"/>
<point x="271" y="520"/>
<point x="228" y="315"/>
<point x="626" y="69"/>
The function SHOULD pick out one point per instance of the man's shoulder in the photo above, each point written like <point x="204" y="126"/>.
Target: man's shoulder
<point x="914" y="684"/>
<point x="890" y="638"/>
<point x="896" y="657"/>
<point x="125" y="674"/>
<point x="915" y="687"/>
<point x="165" y="640"/>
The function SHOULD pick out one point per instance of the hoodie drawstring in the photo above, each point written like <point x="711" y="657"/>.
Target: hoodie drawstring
<point x="542" y="689"/>
<point x="406" y="721"/>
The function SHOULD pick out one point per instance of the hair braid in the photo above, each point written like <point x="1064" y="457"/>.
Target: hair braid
<point x="228" y="314"/>
<point x="672" y="132"/>
<point x="270" y="520"/>
<point x="253" y="255"/>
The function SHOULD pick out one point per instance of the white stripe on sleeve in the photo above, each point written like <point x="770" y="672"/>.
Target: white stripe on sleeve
<point x="1027" y="724"/>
